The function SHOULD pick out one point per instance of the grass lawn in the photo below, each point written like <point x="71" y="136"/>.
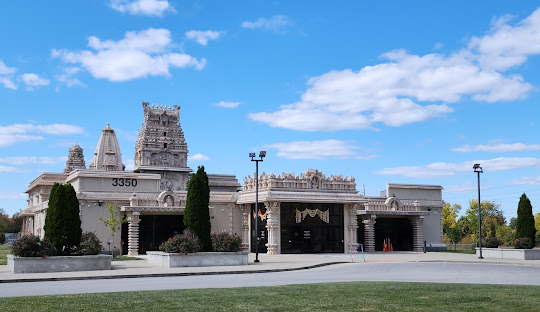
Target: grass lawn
<point x="5" y="249"/>
<point x="355" y="296"/>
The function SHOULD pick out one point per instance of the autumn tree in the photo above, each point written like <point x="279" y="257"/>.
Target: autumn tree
<point x="450" y="213"/>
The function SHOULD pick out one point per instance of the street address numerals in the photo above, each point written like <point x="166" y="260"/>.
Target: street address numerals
<point x="124" y="182"/>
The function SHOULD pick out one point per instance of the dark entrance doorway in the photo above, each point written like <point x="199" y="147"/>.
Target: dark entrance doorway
<point x="399" y="230"/>
<point x="261" y="226"/>
<point x="311" y="228"/>
<point x="155" y="229"/>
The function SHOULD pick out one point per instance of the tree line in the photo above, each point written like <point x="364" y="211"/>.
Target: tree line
<point x="495" y="229"/>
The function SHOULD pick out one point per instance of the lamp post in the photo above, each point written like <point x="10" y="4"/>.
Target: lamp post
<point x="262" y="154"/>
<point x="478" y="170"/>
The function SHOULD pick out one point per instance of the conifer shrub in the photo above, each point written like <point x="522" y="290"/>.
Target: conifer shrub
<point x="525" y="221"/>
<point x="32" y="246"/>
<point x="225" y="242"/>
<point x="62" y="222"/>
<point x="180" y="243"/>
<point x="196" y="214"/>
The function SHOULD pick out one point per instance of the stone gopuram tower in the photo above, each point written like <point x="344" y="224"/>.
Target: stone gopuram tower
<point x="75" y="159"/>
<point x="161" y="147"/>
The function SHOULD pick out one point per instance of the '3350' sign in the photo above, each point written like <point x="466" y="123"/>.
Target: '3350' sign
<point x="124" y="182"/>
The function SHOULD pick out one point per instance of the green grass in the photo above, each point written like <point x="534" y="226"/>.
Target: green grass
<point x="124" y="258"/>
<point x="355" y="296"/>
<point x="5" y="249"/>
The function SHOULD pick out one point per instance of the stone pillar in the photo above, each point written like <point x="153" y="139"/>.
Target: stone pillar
<point x="369" y="232"/>
<point x="133" y="234"/>
<point x="272" y="224"/>
<point x="418" y="233"/>
<point x="352" y="228"/>
<point x="231" y="206"/>
<point x="246" y="212"/>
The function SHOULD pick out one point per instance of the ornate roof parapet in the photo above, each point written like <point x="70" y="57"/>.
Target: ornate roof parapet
<point x="107" y="155"/>
<point x="75" y="159"/>
<point x="311" y="179"/>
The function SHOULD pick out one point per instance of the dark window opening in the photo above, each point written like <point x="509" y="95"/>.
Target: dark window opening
<point x="164" y="145"/>
<point x="164" y="133"/>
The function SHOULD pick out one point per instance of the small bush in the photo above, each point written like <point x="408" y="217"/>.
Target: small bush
<point x="181" y="244"/>
<point x="32" y="246"/>
<point x="89" y="245"/>
<point x="225" y="242"/>
<point x="2" y="238"/>
<point x="523" y="243"/>
<point x="492" y="242"/>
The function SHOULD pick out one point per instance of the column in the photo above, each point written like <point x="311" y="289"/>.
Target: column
<point x="352" y="228"/>
<point x="272" y="224"/>
<point x="231" y="206"/>
<point x="246" y="211"/>
<point x="369" y="233"/>
<point x="133" y="233"/>
<point x="418" y="233"/>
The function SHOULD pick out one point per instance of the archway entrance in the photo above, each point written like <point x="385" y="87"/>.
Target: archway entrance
<point x="399" y="230"/>
<point x="155" y="229"/>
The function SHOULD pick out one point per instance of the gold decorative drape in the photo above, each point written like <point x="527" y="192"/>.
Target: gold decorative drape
<point x="301" y="215"/>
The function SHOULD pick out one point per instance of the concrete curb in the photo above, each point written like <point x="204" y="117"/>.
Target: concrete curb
<point x="79" y="278"/>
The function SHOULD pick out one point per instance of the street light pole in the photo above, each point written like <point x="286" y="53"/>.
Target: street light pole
<point x="262" y="154"/>
<point x="479" y="170"/>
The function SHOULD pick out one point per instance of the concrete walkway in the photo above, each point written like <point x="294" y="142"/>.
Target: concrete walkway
<point x="268" y="263"/>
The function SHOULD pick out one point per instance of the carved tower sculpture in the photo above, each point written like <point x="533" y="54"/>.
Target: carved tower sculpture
<point x="107" y="155"/>
<point x="75" y="159"/>
<point x="161" y="147"/>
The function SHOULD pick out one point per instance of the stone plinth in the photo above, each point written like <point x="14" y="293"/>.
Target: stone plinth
<point x="198" y="259"/>
<point x="510" y="253"/>
<point x="58" y="263"/>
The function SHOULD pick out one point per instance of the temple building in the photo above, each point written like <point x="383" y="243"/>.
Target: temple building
<point x="306" y="213"/>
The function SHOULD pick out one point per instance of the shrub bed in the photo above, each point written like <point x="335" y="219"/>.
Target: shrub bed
<point x="225" y="242"/>
<point x="32" y="246"/>
<point x="181" y="243"/>
<point x="523" y="243"/>
<point x="89" y="245"/>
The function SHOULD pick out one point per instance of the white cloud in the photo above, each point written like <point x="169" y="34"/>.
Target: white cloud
<point x="32" y="160"/>
<point x="275" y="23"/>
<point x="526" y="181"/>
<point x="12" y="195"/>
<point x="515" y="147"/>
<point x="142" y="7"/>
<point x="441" y="169"/>
<point x="32" y="80"/>
<point x="18" y="133"/>
<point x="227" y="104"/>
<point x="8" y="169"/>
<point x="316" y="150"/>
<point x="202" y="37"/>
<point x="138" y="54"/>
<point x="6" y="76"/>
<point x="199" y="157"/>
<point x="506" y="46"/>
<point x="409" y="88"/>
<point x="130" y="164"/>
<point x="67" y="77"/>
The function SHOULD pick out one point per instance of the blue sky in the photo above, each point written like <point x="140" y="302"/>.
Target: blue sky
<point x="389" y="91"/>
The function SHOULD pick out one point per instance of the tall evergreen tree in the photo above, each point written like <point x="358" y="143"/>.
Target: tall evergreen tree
<point x="62" y="222"/>
<point x="525" y="220"/>
<point x="196" y="214"/>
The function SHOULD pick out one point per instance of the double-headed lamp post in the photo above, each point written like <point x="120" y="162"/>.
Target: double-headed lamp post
<point x="478" y="170"/>
<point x="262" y="154"/>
